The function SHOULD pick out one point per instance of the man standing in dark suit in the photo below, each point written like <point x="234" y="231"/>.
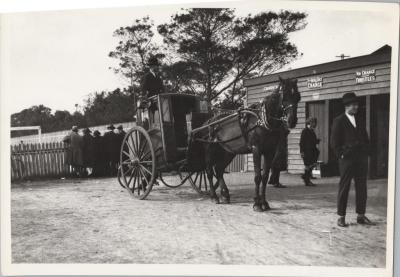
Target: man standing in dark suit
<point x="111" y="141"/>
<point x="308" y="149"/>
<point x="350" y="142"/>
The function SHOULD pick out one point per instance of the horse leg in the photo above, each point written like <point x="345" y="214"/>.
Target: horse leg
<point x="210" y="154"/>
<point x="265" y="176"/>
<point x="257" y="178"/>
<point x="220" y="168"/>
<point x="210" y="177"/>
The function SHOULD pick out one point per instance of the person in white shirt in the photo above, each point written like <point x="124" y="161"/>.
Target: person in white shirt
<point x="350" y="142"/>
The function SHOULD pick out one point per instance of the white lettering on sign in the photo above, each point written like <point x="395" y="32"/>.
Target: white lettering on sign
<point x="364" y="76"/>
<point x="315" y="82"/>
<point x="269" y="88"/>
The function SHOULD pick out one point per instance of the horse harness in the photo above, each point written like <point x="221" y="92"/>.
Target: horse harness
<point x="243" y="121"/>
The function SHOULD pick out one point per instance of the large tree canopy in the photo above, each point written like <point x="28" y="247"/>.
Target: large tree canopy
<point x="220" y="49"/>
<point x="134" y="48"/>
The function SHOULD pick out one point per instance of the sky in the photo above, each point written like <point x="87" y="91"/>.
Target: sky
<point x="57" y="58"/>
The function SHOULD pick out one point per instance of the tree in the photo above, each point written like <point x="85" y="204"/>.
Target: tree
<point x="34" y="116"/>
<point x="109" y="107"/>
<point x="220" y="50"/>
<point x="134" y="48"/>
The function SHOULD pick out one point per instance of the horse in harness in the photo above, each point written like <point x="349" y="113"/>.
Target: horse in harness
<point x="259" y="130"/>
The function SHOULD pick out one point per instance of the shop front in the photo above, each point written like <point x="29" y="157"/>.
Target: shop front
<point x="322" y="87"/>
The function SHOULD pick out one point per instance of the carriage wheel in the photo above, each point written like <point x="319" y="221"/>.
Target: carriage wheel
<point x="178" y="183"/>
<point x="119" y="176"/>
<point x="138" y="168"/>
<point x="198" y="181"/>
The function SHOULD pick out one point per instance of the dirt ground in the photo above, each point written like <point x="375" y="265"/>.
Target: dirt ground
<point x="96" y="221"/>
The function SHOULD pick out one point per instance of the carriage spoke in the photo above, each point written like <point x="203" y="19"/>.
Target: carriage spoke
<point x="130" y="147"/>
<point x="205" y="181"/>
<point x="136" y="180"/>
<point x="183" y="179"/>
<point x="145" y="155"/>
<point x="144" y="175"/>
<point x="125" y="174"/>
<point x="133" y="148"/>
<point x="142" y="148"/>
<point x="201" y="179"/>
<point x="148" y="171"/>
<point x="126" y="162"/>
<point x="126" y="153"/>
<point x="195" y="179"/>
<point x="137" y="143"/>
<point x="130" y="179"/>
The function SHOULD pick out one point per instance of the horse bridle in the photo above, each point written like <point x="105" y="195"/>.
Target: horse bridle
<point x="264" y="117"/>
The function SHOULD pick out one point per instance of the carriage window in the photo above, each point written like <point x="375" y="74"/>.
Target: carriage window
<point x="166" y="114"/>
<point x="203" y="106"/>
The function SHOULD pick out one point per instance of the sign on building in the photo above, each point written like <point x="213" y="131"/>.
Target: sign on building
<point x="364" y="76"/>
<point x="315" y="82"/>
<point x="270" y="89"/>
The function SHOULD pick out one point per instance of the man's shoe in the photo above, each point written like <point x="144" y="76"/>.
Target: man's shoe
<point x="364" y="220"/>
<point x="310" y="184"/>
<point x="279" y="185"/>
<point x="341" y="222"/>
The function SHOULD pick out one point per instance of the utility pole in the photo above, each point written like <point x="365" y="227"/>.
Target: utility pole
<point x="342" y="56"/>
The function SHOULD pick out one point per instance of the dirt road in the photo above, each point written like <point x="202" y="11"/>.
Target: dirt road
<point x="96" y="221"/>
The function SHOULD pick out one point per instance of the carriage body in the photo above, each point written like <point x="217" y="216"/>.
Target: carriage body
<point x="161" y="142"/>
<point x="171" y="118"/>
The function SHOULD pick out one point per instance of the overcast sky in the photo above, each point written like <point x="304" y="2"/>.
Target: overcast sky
<point x="58" y="58"/>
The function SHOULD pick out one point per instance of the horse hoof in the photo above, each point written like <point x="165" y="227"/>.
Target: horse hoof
<point x="215" y="200"/>
<point x="225" y="200"/>
<point x="257" y="208"/>
<point x="265" y="206"/>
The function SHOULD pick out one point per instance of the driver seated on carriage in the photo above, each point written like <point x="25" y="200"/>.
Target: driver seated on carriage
<point x="151" y="85"/>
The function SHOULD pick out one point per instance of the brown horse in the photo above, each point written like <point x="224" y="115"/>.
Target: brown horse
<point x="259" y="129"/>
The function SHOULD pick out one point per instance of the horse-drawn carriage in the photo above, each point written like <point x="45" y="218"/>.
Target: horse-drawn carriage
<point x="180" y="135"/>
<point x="162" y="143"/>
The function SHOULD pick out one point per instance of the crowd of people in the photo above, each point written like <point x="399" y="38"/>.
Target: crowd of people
<point x="94" y="154"/>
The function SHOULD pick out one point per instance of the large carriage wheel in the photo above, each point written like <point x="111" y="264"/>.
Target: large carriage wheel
<point x="199" y="181"/>
<point x="138" y="167"/>
<point x="119" y="177"/>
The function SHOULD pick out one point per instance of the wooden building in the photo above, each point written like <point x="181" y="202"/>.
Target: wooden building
<point x="322" y="87"/>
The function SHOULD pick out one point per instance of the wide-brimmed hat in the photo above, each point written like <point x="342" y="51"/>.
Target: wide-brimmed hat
<point x="110" y="127"/>
<point x="349" y="98"/>
<point x="311" y="120"/>
<point x="96" y="133"/>
<point x="74" y="128"/>
<point x="153" y="61"/>
<point x="120" y="127"/>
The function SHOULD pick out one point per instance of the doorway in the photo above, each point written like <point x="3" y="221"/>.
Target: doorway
<point x="379" y="135"/>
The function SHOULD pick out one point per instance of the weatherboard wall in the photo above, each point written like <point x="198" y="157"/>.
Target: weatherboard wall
<point x="334" y="85"/>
